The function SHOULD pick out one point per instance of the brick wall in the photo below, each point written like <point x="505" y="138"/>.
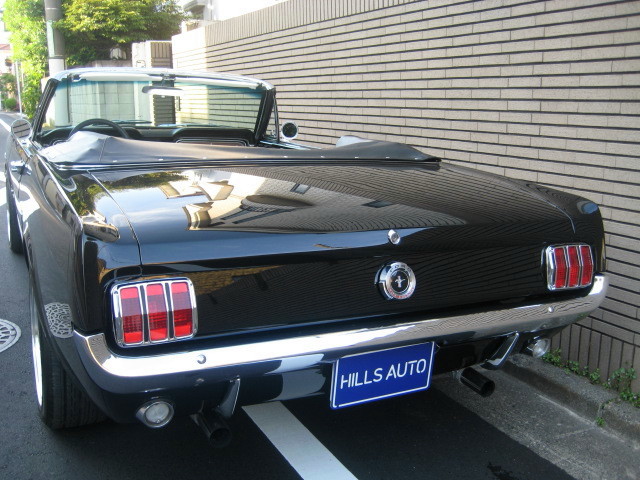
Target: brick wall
<point x="108" y="100"/>
<point x="545" y="91"/>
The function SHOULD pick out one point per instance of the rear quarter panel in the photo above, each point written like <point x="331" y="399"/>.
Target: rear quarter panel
<point x="69" y="267"/>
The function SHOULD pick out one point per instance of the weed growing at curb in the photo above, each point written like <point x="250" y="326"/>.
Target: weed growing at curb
<point x="553" y="357"/>
<point x="620" y="380"/>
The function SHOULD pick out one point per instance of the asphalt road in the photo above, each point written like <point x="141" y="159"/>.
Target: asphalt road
<point x="425" y="435"/>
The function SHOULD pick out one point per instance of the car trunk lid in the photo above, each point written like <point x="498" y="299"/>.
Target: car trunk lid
<point x="290" y="244"/>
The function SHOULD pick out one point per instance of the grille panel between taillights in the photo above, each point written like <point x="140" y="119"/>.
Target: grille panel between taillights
<point x="569" y="266"/>
<point x="155" y="311"/>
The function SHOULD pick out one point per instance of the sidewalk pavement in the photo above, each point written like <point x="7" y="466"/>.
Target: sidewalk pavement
<point x="578" y="395"/>
<point x="553" y="413"/>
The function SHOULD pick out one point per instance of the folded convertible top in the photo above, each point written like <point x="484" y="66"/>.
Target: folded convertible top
<point x="89" y="148"/>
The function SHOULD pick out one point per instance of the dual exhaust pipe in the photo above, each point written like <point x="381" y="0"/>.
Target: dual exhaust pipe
<point x="219" y="435"/>
<point x="158" y="413"/>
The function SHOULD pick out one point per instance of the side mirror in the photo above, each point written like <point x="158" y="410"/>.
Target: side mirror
<point x="21" y="129"/>
<point x="289" y="130"/>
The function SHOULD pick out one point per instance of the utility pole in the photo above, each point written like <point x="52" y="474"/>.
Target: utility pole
<point x="18" y="72"/>
<point x="55" y="40"/>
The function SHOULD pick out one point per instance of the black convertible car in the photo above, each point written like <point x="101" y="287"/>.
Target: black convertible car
<point x="185" y="257"/>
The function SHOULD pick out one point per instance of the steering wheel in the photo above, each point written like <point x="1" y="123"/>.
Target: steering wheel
<point x="100" y="121"/>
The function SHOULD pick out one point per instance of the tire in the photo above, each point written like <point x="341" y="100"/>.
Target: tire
<point x="61" y="403"/>
<point x="13" y="232"/>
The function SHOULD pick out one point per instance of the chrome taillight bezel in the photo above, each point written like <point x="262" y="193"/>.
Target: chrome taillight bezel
<point x="144" y="307"/>
<point x="552" y="268"/>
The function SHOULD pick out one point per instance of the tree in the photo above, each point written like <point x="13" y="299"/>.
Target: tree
<point x="8" y="84"/>
<point x="25" y="20"/>
<point x="10" y="104"/>
<point x="7" y="88"/>
<point x="93" y="27"/>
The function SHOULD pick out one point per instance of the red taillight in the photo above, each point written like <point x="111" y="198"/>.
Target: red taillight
<point x="569" y="266"/>
<point x="131" y="314"/>
<point x="157" y="312"/>
<point x="574" y="266"/>
<point x="182" y="310"/>
<point x="561" y="268"/>
<point x="587" y="266"/>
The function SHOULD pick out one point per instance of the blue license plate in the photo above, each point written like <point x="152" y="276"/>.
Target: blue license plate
<point x="371" y="376"/>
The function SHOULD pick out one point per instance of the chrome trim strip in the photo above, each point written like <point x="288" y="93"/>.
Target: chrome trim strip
<point x="122" y="374"/>
<point x="228" y="404"/>
<point x="500" y="356"/>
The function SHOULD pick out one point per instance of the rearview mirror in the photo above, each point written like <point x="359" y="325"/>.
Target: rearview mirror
<point x="163" y="91"/>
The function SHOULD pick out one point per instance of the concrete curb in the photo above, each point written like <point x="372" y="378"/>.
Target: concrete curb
<point x="578" y="394"/>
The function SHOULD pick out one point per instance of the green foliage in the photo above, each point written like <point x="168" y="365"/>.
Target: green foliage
<point x="10" y="104"/>
<point x="553" y="357"/>
<point x="631" y="397"/>
<point x="620" y="380"/>
<point x="93" y="27"/>
<point x="25" y="20"/>
<point x="600" y="421"/>
<point x="573" y="367"/>
<point x="7" y="91"/>
<point x="594" y="377"/>
<point x="7" y="84"/>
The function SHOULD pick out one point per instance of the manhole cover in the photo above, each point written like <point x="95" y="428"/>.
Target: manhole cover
<point x="9" y="334"/>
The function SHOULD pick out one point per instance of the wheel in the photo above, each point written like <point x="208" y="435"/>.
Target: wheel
<point x="61" y="403"/>
<point x="13" y="232"/>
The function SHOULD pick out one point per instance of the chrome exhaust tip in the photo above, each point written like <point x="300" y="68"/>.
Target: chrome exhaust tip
<point x="538" y="347"/>
<point x="155" y="413"/>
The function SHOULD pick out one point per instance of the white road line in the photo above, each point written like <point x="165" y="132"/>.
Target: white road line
<point x="5" y="125"/>
<point x="3" y="196"/>
<point x="2" y="178"/>
<point x="298" y="446"/>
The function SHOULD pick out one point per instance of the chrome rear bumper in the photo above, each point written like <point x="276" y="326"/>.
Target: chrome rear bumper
<point x="122" y="374"/>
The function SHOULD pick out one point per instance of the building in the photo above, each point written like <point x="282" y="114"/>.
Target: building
<point x="545" y="91"/>
<point x="5" y="47"/>
<point x="207" y="11"/>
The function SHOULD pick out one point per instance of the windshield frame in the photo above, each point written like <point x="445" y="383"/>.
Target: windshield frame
<point x="264" y="108"/>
